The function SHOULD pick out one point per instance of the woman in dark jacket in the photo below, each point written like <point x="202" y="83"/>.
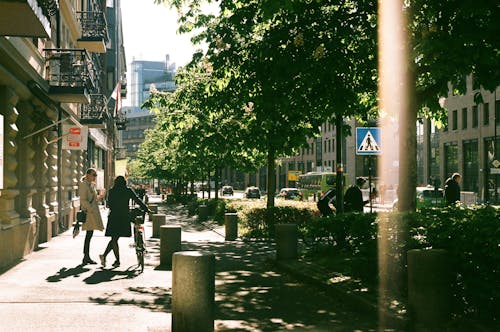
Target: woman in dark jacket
<point x="118" y="218"/>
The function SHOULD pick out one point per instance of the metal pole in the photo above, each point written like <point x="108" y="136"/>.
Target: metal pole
<point x="370" y="183"/>
<point x="495" y="145"/>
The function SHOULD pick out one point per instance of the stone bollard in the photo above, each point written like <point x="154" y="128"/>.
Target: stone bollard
<point x="158" y="221"/>
<point x="170" y="242"/>
<point x="193" y="291"/>
<point x="429" y="291"/>
<point x="231" y="226"/>
<point x="202" y="213"/>
<point x="154" y="210"/>
<point x="286" y="241"/>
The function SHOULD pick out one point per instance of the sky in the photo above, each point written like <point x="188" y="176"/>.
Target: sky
<point x="150" y="32"/>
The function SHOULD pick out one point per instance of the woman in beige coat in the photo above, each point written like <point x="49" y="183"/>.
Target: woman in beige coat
<point x="89" y="202"/>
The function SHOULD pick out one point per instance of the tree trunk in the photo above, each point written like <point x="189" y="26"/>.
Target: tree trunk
<point x="271" y="177"/>
<point x="217" y="177"/>
<point x="340" y="171"/>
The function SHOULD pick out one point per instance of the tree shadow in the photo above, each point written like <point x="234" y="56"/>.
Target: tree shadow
<point x="158" y="299"/>
<point x="67" y="272"/>
<point x="106" y="275"/>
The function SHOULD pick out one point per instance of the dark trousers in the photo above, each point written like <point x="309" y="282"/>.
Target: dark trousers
<point x="86" y="244"/>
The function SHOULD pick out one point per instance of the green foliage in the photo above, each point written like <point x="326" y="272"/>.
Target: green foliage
<point x="259" y="222"/>
<point x="472" y="238"/>
<point x="470" y="235"/>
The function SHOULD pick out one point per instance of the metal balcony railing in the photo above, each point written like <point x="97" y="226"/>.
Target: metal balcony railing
<point x="95" y="113"/>
<point x="94" y="30"/>
<point x="70" y="74"/>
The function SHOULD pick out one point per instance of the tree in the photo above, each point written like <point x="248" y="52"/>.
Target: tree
<point x="270" y="62"/>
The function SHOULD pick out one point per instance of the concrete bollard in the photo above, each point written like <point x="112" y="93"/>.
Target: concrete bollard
<point x="202" y="212"/>
<point x="154" y="210"/>
<point x="193" y="291"/>
<point x="231" y="226"/>
<point x="170" y="242"/>
<point x="286" y="241"/>
<point x="158" y="221"/>
<point x="429" y="291"/>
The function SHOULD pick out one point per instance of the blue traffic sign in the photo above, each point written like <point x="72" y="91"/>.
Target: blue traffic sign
<point x="368" y="141"/>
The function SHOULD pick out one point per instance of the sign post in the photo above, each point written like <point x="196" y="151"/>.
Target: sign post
<point x="368" y="144"/>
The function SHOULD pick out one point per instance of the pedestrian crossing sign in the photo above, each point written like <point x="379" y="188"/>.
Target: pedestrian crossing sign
<point x="368" y="141"/>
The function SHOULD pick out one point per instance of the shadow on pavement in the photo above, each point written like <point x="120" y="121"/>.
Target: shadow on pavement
<point x="65" y="272"/>
<point x="106" y="275"/>
<point x="250" y="295"/>
<point x="156" y="299"/>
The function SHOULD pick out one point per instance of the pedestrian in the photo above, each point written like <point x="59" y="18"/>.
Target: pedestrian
<point x="119" y="217"/>
<point x="353" y="198"/>
<point x="325" y="200"/>
<point x="452" y="189"/>
<point x="89" y="203"/>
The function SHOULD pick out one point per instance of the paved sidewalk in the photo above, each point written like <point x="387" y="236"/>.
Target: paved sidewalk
<point x="51" y="291"/>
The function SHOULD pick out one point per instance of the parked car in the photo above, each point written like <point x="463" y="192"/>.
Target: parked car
<point x="227" y="190"/>
<point x="426" y="196"/>
<point x="290" y="193"/>
<point x="252" y="192"/>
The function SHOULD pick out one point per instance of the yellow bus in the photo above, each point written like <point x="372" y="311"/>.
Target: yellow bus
<point x="315" y="184"/>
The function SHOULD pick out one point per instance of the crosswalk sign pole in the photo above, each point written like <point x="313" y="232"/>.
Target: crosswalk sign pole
<point x="370" y="182"/>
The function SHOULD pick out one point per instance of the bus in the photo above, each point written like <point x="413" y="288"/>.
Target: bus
<point x="315" y="184"/>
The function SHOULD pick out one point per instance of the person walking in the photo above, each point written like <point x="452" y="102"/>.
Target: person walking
<point x="452" y="189"/>
<point x="324" y="202"/>
<point x="353" y="197"/>
<point x="89" y="203"/>
<point x="119" y="223"/>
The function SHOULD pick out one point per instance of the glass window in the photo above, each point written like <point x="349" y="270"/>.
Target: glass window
<point x="497" y="111"/>
<point x="451" y="159"/>
<point x="470" y="179"/>
<point x="475" y="116"/>
<point x="454" y="120"/>
<point x="486" y="114"/>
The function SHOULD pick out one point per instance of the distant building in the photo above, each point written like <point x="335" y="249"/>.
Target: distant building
<point x="145" y="76"/>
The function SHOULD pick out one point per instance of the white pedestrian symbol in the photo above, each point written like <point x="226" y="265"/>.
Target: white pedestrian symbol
<point x="369" y="143"/>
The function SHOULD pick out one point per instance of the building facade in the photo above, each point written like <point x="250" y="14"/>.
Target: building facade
<point x="55" y="76"/>
<point x="468" y="144"/>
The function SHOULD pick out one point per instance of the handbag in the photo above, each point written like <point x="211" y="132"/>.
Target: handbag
<point x="81" y="216"/>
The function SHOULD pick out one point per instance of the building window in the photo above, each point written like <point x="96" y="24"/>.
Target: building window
<point x="497" y="111"/>
<point x="454" y="120"/>
<point x="470" y="179"/>
<point x="475" y="117"/>
<point x="464" y="118"/>
<point x="450" y="159"/>
<point x="486" y="114"/>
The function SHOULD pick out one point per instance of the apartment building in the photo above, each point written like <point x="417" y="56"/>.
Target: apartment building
<point x="59" y="62"/>
<point x="468" y="144"/>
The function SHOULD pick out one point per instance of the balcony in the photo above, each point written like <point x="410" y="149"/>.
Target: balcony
<point x="121" y="121"/>
<point x="70" y="73"/>
<point x="94" y="31"/>
<point x="95" y="114"/>
<point x="123" y="90"/>
<point x="27" y="18"/>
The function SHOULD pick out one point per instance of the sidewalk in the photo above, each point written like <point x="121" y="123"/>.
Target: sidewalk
<point x="51" y="291"/>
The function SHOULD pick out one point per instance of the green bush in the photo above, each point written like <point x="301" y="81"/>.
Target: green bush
<point x="258" y="222"/>
<point x="472" y="238"/>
